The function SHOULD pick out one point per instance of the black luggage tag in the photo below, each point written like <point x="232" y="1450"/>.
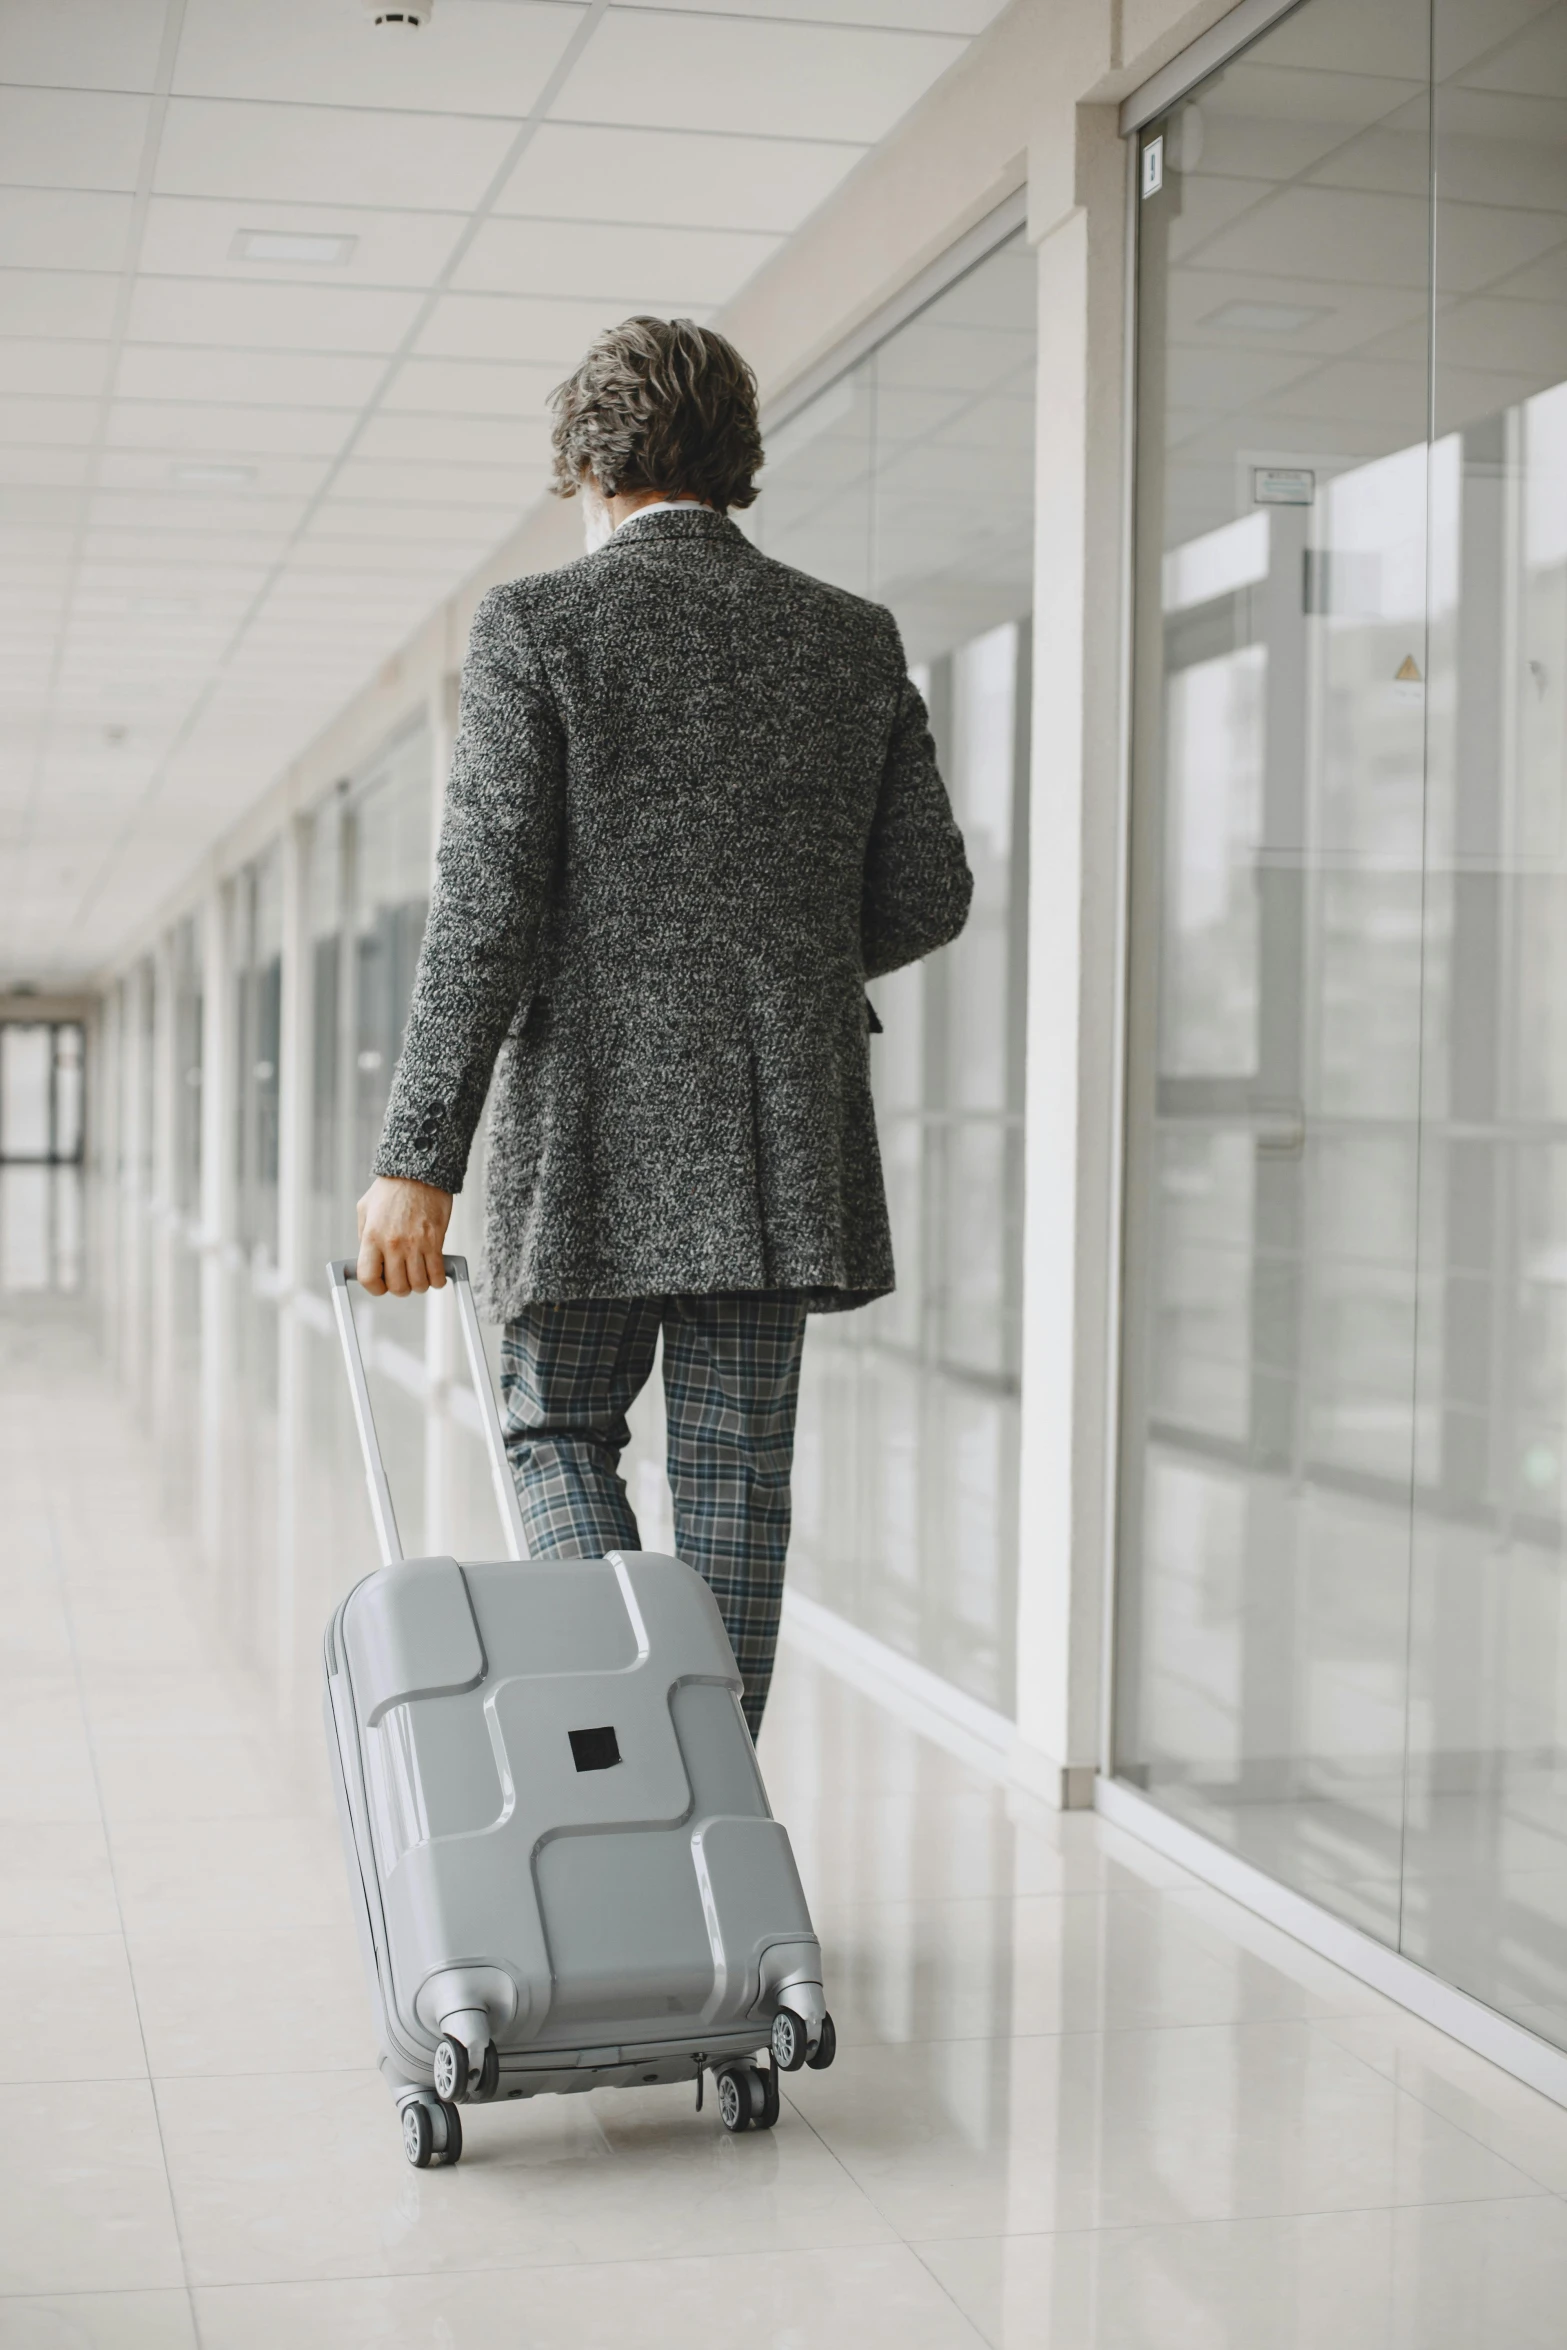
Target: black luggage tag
<point x="595" y="1750"/>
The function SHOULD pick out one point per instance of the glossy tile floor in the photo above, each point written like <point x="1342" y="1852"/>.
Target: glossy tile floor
<point x="1080" y="2102"/>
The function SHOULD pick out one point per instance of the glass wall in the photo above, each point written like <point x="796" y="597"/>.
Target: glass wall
<point x="1341" y="1612"/>
<point x="185" y="976"/>
<point x="911" y="480"/>
<point x="258" y="1015"/>
<point x="42" y="1090"/>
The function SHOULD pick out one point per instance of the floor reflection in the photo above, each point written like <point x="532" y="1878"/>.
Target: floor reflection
<point x="1081" y="2102"/>
<point x="40" y="1227"/>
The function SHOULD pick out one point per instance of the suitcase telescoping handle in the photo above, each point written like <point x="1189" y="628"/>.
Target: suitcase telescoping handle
<point x="340" y="1272"/>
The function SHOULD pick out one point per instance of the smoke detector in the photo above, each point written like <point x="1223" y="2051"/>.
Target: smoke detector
<point x="399" y="11"/>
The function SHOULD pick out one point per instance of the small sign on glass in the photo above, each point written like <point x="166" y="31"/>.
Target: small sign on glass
<point x="1282" y="485"/>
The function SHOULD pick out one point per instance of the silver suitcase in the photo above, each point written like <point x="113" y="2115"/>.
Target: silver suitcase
<point x="566" y="1872"/>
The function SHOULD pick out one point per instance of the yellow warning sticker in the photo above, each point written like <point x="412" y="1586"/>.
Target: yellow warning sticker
<point x="1408" y="671"/>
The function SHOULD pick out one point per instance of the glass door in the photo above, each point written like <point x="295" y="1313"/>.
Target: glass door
<point x="1485" y="1847"/>
<point x="1270" y="1429"/>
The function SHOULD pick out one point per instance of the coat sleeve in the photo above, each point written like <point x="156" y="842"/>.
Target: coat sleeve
<point x="500" y="839"/>
<point x="917" y="880"/>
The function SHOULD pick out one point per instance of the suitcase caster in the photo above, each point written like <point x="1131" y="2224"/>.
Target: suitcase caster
<point x="431" y="2132"/>
<point x="791" y="2045"/>
<point x="457" y="2079"/>
<point x="747" y="2099"/>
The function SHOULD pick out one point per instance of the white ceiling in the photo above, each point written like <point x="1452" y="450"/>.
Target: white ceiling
<point x="229" y="488"/>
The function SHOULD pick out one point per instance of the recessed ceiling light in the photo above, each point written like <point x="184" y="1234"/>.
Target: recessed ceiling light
<point x="210" y="476"/>
<point x="1261" y="318"/>
<point x="278" y="244"/>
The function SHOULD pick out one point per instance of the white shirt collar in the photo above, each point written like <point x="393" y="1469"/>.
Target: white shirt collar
<point x="665" y="506"/>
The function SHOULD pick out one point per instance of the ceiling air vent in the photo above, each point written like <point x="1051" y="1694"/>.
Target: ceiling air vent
<point x="399" y="11"/>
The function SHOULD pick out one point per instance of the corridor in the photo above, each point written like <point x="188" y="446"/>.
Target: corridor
<point x="1081" y="2101"/>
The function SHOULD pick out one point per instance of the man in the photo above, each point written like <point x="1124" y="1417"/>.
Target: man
<point x="694" y="806"/>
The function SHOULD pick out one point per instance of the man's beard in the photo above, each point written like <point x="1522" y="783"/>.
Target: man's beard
<point x="598" y="526"/>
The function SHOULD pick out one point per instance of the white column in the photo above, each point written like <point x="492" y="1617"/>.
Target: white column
<point x="1073" y="1080"/>
<point x="217" y="1208"/>
<point x="108" y="1044"/>
<point x="137" y="1139"/>
<point x="217" y="1071"/>
<point x="294" y="1058"/>
<point x="164" y="1076"/>
<point x="106" y="1140"/>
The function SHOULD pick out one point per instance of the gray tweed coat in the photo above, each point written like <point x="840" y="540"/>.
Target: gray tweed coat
<point x="694" y="805"/>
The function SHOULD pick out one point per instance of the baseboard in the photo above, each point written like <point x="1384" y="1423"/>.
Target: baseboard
<point x="1505" y="2044"/>
<point x="965" y="1727"/>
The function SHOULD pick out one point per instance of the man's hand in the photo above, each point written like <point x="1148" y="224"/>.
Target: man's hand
<point x="402" y="1230"/>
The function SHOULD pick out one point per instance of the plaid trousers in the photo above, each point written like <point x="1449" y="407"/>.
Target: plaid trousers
<point x="569" y="1374"/>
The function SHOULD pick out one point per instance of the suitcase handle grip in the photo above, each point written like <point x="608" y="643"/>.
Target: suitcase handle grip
<point x="340" y="1272"/>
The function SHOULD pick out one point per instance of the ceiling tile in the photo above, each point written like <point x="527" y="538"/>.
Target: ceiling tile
<point x="343" y="545"/>
<point x="127" y="533"/>
<point x="437" y="440"/>
<point x="1533" y="63"/>
<point x="66" y="468"/>
<point x="63" y="228"/>
<point x="1379" y="240"/>
<point x="916" y="16"/>
<point x="650" y="268"/>
<point x="194" y="236"/>
<point x="81" y="44"/>
<point x="328" y="155"/>
<point x="36" y="519"/>
<point x="474" y="57"/>
<point x="157" y="470"/>
<point x="188" y="428"/>
<point x="269" y="318"/>
<point x="463" y="387"/>
<point x="47" y="368"/>
<point x="576" y="171"/>
<point x="483" y="326"/>
<point x="719" y="73"/>
<point x="71" y="138"/>
<point x="35" y="423"/>
<point x="479" y="491"/>
<point x="368" y="521"/>
<point x="277" y="378"/>
<point x="1478" y="243"/>
<point x="76" y="305"/>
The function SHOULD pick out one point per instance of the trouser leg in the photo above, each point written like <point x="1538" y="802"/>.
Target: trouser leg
<point x="569" y="1374"/>
<point x="731" y="1385"/>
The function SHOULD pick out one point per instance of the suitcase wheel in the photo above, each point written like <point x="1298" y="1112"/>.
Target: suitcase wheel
<point x="789" y="2043"/>
<point x="454" y="2072"/>
<point x="450" y="2069"/>
<point x="428" y="2137"/>
<point x="826" y="2047"/>
<point x="747" y="2099"/>
<point x="734" y="2098"/>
